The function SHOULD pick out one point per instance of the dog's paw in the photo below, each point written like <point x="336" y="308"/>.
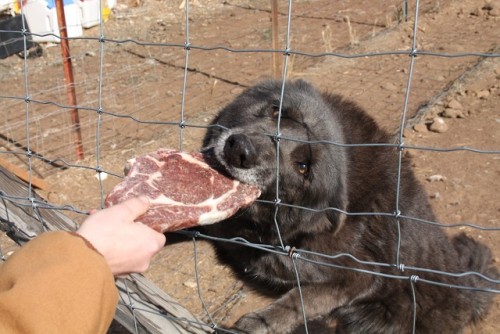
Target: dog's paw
<point x="219" y="330"/>
<point x="253" y="323"/>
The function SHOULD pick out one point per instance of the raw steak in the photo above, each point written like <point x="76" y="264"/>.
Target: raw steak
<point x="183" y="189"/>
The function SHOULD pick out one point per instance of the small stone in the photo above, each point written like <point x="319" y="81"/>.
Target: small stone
<point x="438" y="125"/>
<point x="407" y="133"/>
<point x="434" y="111"/>
<point x="453" y="113"/>
<point x="410" y="154"/>
<point x="101" y="176"/>
<point x="454" y="104"/>
<point x="494" y="12"/>
<point x="491" y="5"/>
<point x="190" y="284"/>
<point x="483" y="94"/>
<point x="487" y="6"/>
<point x="436" y="178"/>
<point x="420" y="127"/>
<point x="389" y="86"/>
<point x="476" y="11"/>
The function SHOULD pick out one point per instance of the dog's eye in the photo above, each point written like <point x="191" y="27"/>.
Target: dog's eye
<point x="275" y="113"/>
<point x="303" y="168"/>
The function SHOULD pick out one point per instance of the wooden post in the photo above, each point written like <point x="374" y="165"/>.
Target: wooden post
<point x="68" y="75"/>
<point x="274" y="20"/>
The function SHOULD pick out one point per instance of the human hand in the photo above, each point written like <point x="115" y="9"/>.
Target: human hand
<point x="127" y="246"/>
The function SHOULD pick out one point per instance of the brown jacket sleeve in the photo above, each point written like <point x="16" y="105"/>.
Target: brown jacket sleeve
<point x="56" y="283"/>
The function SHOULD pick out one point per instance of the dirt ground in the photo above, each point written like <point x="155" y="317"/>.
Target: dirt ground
<point x="144" y="79"/>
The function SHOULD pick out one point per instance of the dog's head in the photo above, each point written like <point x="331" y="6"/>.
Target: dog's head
<point x="284" y="141"/>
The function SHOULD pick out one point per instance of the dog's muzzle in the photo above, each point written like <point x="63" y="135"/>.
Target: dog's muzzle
<point x="239" y="151"/>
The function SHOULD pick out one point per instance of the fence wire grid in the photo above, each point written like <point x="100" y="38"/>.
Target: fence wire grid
<point x="103" y="116"/>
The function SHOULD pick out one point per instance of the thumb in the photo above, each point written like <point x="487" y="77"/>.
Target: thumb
<point x="132" y="207"/>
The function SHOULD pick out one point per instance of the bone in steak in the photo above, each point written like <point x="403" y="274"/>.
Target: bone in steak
<point x="183" y="189"/>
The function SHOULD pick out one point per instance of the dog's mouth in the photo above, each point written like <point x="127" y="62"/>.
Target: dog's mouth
<point x="211" y="159"/>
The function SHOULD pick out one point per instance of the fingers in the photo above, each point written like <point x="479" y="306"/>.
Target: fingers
<point x="159" y="238"/>
<point x="132" y="207"/>
<point x="162" y="239"/>
<point x="137" y="206"/>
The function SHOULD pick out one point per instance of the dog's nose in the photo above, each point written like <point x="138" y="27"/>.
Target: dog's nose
<point x="239" y="151"/>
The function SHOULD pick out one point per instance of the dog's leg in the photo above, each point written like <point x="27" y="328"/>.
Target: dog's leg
<point x="285" y="314"/>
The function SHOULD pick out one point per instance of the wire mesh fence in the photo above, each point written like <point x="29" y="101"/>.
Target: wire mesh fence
<point x="143" y="86"/>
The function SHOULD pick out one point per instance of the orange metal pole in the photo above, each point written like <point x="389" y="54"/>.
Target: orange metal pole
<point x="68" y="75"/>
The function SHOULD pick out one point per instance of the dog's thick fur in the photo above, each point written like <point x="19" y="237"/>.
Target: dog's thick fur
<point x="321" y="171"/>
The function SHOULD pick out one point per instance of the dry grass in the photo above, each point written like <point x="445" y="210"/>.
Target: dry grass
<point x="353" y="37"/>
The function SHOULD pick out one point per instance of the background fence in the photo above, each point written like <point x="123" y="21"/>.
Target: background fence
<point x="154" y="74"/>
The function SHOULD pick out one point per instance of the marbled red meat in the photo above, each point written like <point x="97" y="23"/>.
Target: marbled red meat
<point x="183" y="189"/>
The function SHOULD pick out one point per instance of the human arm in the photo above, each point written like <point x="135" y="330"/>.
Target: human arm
<point x="59" y="283"/>
<point x="56" y="283"/>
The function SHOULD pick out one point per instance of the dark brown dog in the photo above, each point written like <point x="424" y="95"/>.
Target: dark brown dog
<point x="318" y="178"/>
